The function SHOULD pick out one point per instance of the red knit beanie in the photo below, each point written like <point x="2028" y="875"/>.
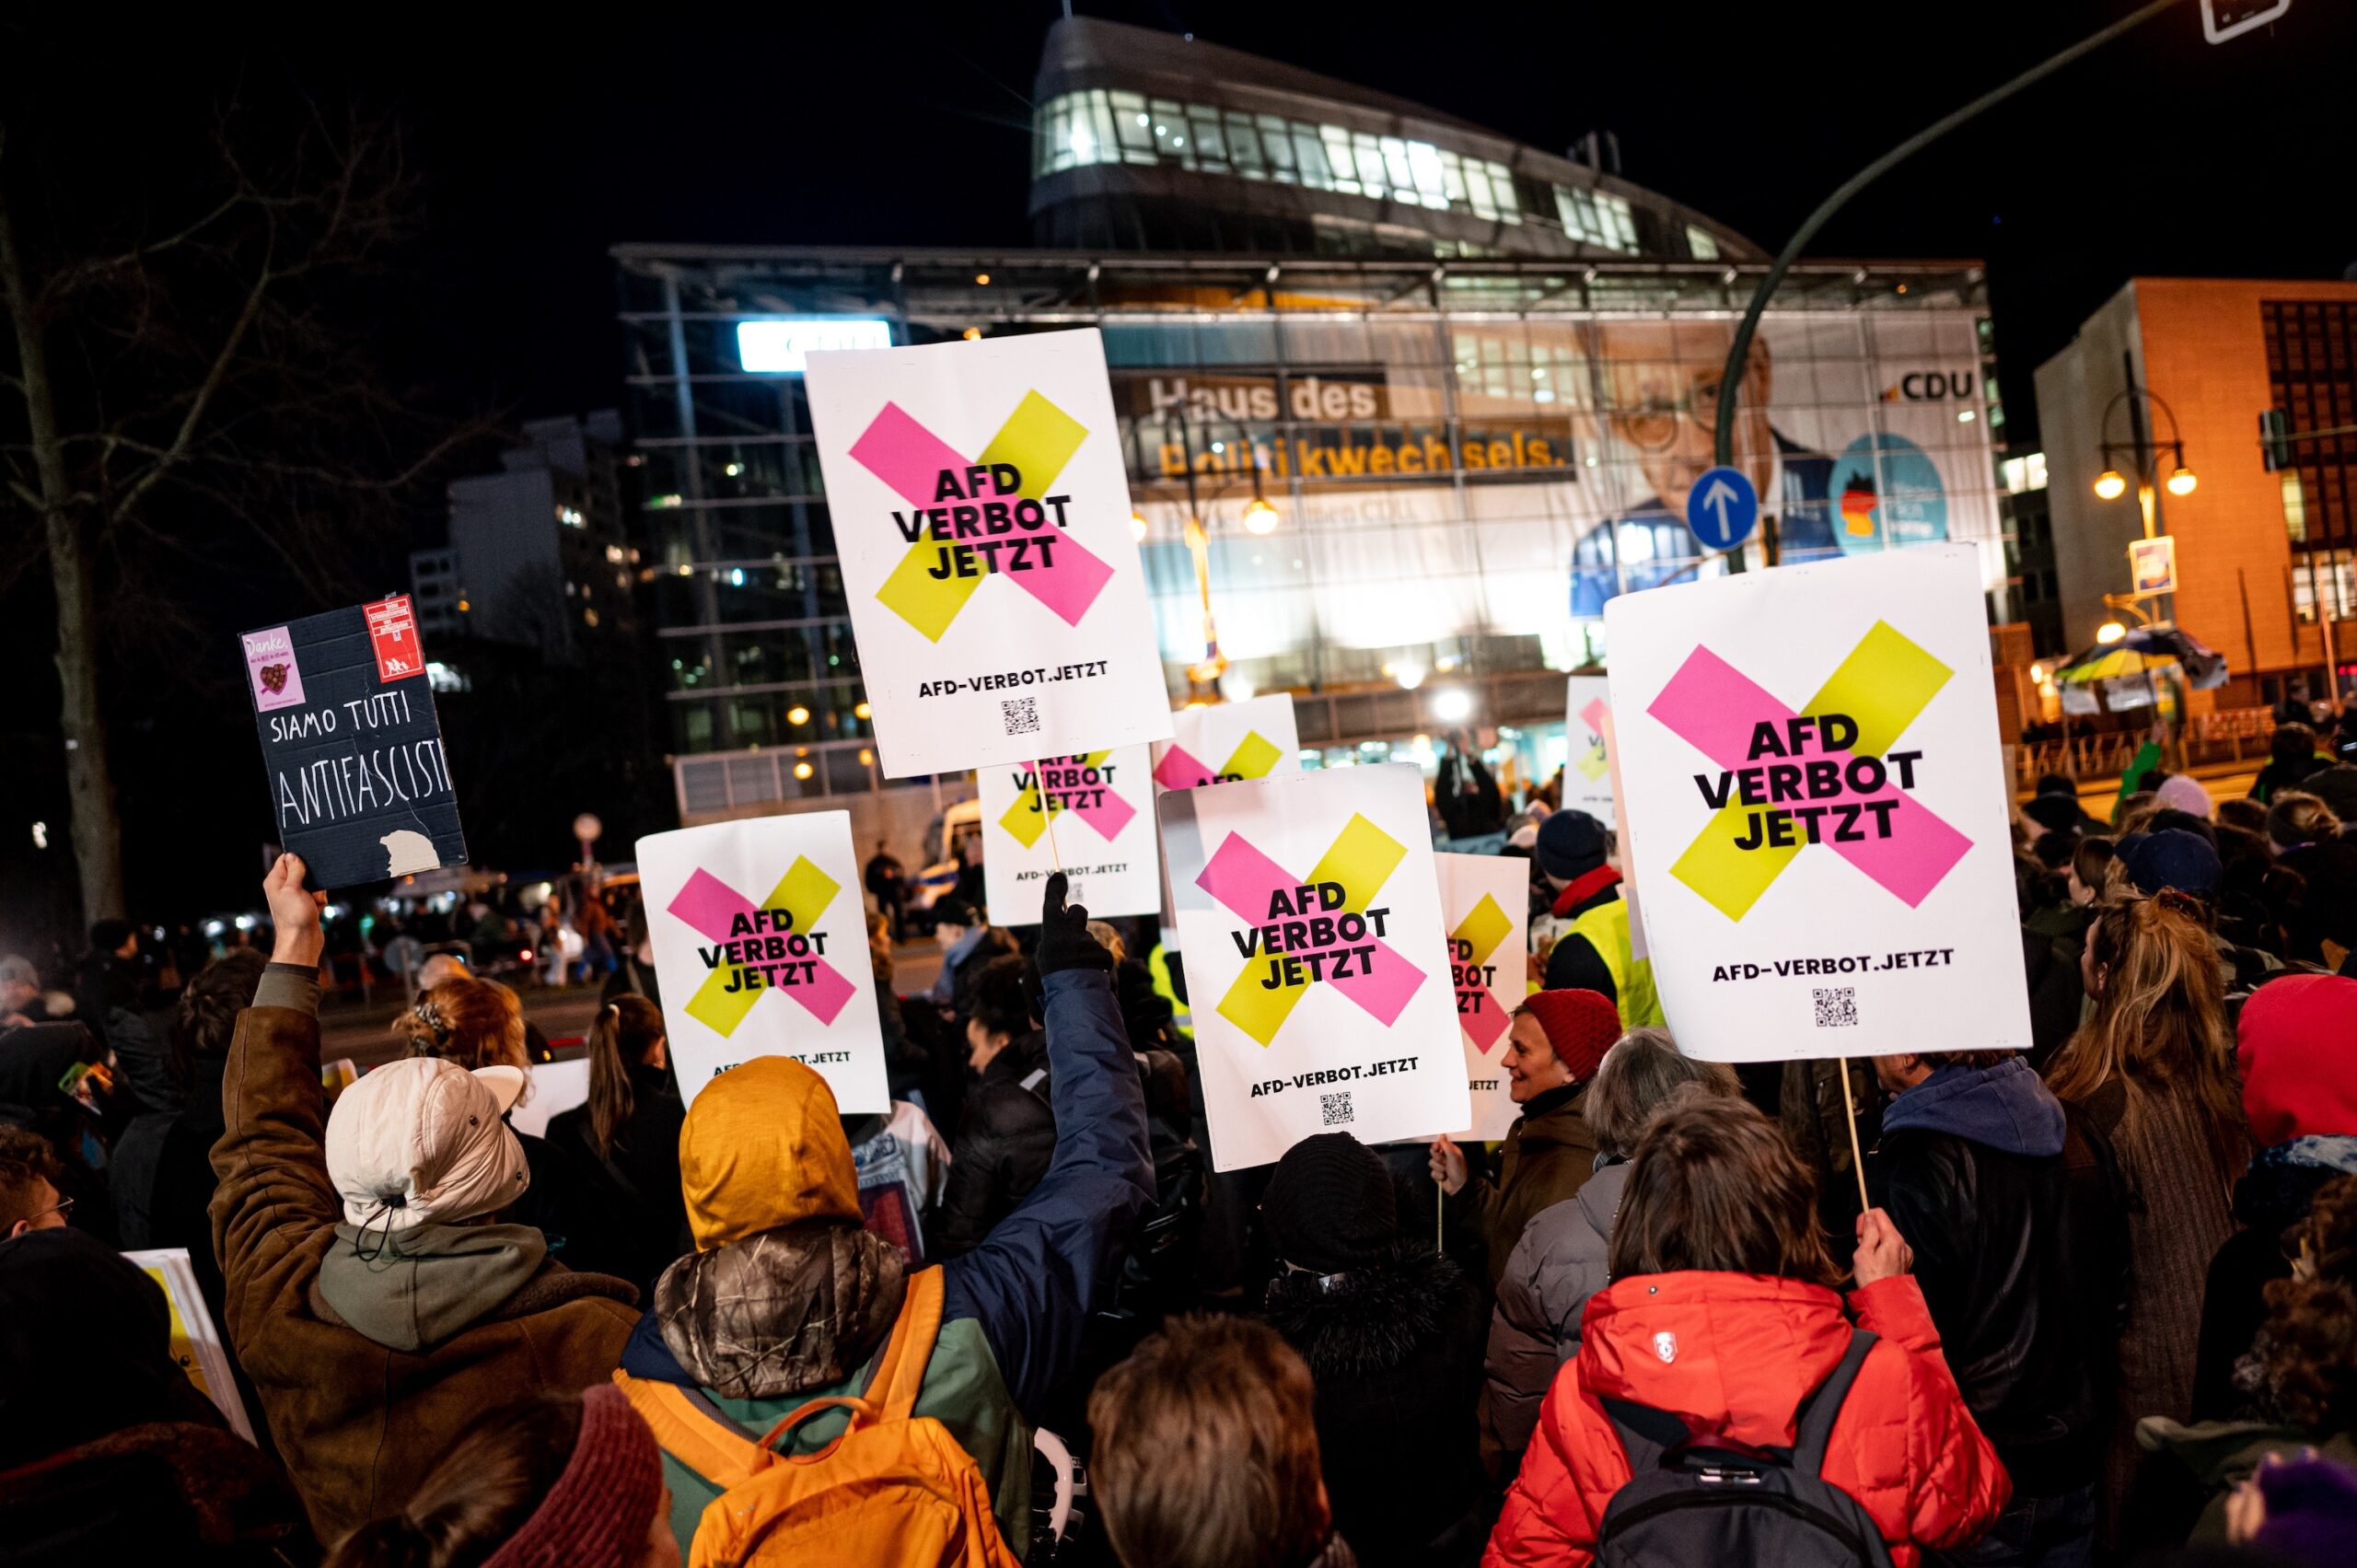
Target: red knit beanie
<point x="1581" y="1026"/>
<point x="2297" y="1044"/>
<point x="598" y="1512"/>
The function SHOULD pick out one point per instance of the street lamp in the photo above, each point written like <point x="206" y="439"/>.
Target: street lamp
<point x="2110" y="633"/>
<point x="2111" y="485"/>
<point x="1260" y="518"/>
<point x="2181" y="481"/>
<point x="2138" y="457"/>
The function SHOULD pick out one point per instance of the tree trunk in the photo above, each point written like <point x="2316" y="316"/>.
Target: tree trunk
<point x="89" y="780"/>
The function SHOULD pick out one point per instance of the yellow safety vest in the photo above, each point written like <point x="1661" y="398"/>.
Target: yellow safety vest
<point x="1157" y="964"/>
<point x="1606" y="929"/>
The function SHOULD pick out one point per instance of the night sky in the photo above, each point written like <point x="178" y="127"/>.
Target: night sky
<point x="541" y="146"/>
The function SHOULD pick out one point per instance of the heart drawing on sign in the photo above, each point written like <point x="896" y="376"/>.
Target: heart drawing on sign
<point x="274" y="676"/>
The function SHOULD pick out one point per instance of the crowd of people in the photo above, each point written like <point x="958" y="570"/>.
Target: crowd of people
<point x="2072" y="1306"/>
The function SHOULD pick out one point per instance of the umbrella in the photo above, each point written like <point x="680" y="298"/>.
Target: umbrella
<point x="2124" y="672"/>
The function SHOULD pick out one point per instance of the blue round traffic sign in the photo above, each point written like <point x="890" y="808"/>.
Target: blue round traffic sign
<point x="1721" y="508"/>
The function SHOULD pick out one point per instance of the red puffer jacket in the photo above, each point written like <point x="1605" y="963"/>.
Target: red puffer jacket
<point x="1737" y="1353"/>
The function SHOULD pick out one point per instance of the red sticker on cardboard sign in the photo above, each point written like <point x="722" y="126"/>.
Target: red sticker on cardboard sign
<point x="392" y="627"/>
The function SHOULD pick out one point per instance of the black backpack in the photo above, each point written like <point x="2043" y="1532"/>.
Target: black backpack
<point x="1687" y="1503"/>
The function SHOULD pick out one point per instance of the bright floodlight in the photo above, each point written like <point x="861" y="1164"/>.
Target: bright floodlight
<point x="1454" y="705"/>
<point x="2109" y="486"/>
<point x="1260" y="517"/>
<point x="2110" y="631"/>
<point x="2182" y="482"/>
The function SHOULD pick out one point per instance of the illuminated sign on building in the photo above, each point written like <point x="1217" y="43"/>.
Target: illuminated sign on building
<point x="775" y="345"/>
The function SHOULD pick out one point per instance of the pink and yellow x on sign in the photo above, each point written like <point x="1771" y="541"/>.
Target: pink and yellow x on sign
<point x="1322" y="928"/>
<point x="1479" y="1011"/>
<point x="1828" y="775"/>
<point x="1082" y="786"/>
<point x="1592" y="763"/>
<point x="1253" y="756"/>
<point x="775" y="945"/>
<point x="991" y="515"/>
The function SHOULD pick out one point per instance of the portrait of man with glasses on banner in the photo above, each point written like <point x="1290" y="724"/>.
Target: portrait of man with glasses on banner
<point x="1659" y="382"/>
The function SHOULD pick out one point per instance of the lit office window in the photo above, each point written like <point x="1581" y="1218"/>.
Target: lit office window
<point x="1597" y="217"/>
<point x="1244" y="146"/>
<point x="1702" y="244"/>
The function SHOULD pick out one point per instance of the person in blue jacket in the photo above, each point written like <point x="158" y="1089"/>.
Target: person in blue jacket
<point x="786" y="1298"/>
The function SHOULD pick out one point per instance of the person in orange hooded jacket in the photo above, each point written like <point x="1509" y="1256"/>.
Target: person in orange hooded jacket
<point x="1722" y="1312"/>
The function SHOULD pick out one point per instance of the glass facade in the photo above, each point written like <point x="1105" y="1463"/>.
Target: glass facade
<point x="1099" y="125"/>
<point x="1466" y="461"/>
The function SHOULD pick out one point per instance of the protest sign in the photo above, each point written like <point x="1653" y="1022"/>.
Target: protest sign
<point x="1319" y="974"/>
<point x="1088" y="814"/>
<point x="1815" y="806"/>
<point x="981" y="516"/>
<point x="761" y="949"/>
<point x="1485" y="909"/>
<point x="358" y="782"/>
<point x="1220" y="743"/>
<point x="557" y="1088"/>
<point x="195" y="1341"/>
<point x="1587" y="770"/>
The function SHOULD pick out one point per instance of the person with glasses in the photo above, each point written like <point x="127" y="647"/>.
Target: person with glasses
<point x="1660" y="384"/>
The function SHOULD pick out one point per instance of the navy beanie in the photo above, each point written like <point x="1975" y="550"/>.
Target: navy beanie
<point x="2170" y="858"/>
<point x="1571" y="844"/>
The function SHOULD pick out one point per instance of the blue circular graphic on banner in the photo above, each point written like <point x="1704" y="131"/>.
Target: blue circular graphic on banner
<point x="1884" y="492"/>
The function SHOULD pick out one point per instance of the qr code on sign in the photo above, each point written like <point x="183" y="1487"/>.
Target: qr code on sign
<point x="1022" y="714"/>
<point x="1336" y="1107"/>
<point x="1837" y="1008"/>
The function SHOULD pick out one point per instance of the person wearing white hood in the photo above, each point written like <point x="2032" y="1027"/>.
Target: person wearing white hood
<point x="372" y="1293"/>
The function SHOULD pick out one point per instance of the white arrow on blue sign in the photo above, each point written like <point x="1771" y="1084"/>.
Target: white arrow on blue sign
<point x="1721" y="508"/>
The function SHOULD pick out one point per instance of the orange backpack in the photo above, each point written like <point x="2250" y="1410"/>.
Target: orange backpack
<point x="894" y="1488"/>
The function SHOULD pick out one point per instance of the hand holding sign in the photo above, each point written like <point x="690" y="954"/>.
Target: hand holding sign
<point x="293" y="914"/>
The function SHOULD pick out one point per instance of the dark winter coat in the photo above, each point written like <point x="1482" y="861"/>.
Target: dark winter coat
<point x="2269" y="1202"/>
<point x="1548" y="1156"/>
<point x="1395" y="1353"/>
<point x="1969" y="1168"/>
<point x="1004" y="1142"/>
<point x="635" y="1184"/>
<point x="1564" y="1258"/>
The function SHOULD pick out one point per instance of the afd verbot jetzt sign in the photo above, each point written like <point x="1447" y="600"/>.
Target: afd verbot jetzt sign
<point x="981" y="516"/>
<point x="1319" y="976"/>
<point x="1587" y="765"/>
<point x="1090" y="814"/>
<point x="1218" y="743"/>
<point x="1813" y="804"/>
<point x="761" y="947"/>
<point x="1485" y="909"/>
<point x="359" y="783"/>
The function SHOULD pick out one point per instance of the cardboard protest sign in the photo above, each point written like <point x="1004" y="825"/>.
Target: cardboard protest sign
<point x="1485" y="909"/>
<point x="982" y="514"/>
<point x="195" y="1341"/>
<point x="1815" y="806"/>
<point x="1221" y="743"/>
<point x="1319" y="974"/>
<point x="358" y="782"/>
<point x="1091" y="815"/>
<point x="1587" y="771"/>
<point x="557" y="1088"/>
<point x="761" y="949"/>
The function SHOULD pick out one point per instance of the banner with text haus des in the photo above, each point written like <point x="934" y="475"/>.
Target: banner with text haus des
<point x="761" y="947"/>
<point x="1091" y="814"/>
<point x="1814" y="805"/>
<point x="982" y="514"/>
<point x="1318" y="975"/>
<point x="1485" y="909"/>
<point x="1587" y="768"/>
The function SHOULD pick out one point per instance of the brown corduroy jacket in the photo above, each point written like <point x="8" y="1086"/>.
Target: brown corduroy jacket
<point x="357" y="1424"/>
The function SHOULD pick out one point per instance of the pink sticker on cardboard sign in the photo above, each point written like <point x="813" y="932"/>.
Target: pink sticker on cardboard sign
<point x="271" y="669"/>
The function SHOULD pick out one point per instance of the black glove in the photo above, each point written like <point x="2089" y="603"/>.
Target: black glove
<point x="1064" y="941"/>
